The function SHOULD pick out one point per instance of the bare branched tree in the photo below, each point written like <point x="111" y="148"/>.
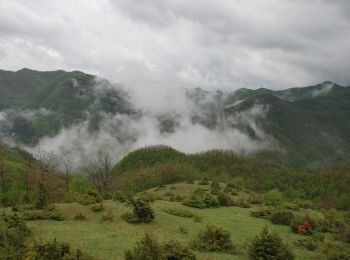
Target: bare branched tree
<point x="47" y="161"/>
<point x="68" y="166"/>
<point x="100" y="170"/>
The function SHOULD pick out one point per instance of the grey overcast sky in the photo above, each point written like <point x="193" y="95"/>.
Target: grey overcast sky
<point x="214" y="44"/>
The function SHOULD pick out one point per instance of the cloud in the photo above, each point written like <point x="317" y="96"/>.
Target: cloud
<point x="162" y="44"/>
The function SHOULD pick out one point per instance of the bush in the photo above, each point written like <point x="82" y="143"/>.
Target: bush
<point x="91" y="197"/>
<point x="269" y="246"/>
<point x="175" y="251"/>
<point x="200" y="199"/>
<point x="41" y="196"/>
<point x="179" y="212"/>
<point x="213" y="239"/>
<point x="149" y="249"/>
<point x="225" y="200"/>
<point x="142" y="212"/>
<point x="308" y="244"/>
<point x="214" y="188"/>
<point x="263" y="212"/>
<point x="107" y="196"/>
<point x="241" y="203"/>
<point x="96" y="207"/>
<point x="282" y="217"/>
<point x="146" y="197"/>
<point x="130" y="218"/>
<point x="80" y="217"/>
<point x="273" y="197"/>
<point x="303" y="225"/>
<point x="108" y="217"/>
<point x="336" y="251"/>
<point x="42" y="214"/>
<point x="54" y="250"/>
<point x="120" y="196"/>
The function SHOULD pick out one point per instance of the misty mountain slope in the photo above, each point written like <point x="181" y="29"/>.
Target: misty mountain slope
<point x="76" y="114"/>
<point x="37" y="104"/>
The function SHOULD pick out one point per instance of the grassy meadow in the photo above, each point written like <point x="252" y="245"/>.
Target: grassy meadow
<point x="109" y="240"/>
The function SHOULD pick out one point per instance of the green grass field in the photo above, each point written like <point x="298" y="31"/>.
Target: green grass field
<point x="108" y="240"/>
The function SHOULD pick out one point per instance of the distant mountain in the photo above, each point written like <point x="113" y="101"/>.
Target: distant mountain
<point x="304" y="126"/>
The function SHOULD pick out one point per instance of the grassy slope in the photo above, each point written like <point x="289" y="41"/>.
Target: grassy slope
<point x="109" y="240"/>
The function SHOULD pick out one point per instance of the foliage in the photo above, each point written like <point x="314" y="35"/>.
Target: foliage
<point x="214" y="187"/>
<point x="269" y="246"/>
<point x="201" y="199"/>
<point x="282" y="217"/>
<point x="179" y="212"/>
<point x="120" y="196"/>
<point x="273" y="197"/>
<point x="213" y="239"/>
<point x="42" y="214"/>
<point x="141" y="212"/>
<point x="96" y="207"/>
<point x="303" y="225"/>
<point x="173" y="250"/>
<point x="54" y="250"/>
<point x="42" y="196"/>
<point x="13" y="237"/>
<point x="146" y="249"/>
<point x="91" y="197"/>
<point x="225" y="200"/>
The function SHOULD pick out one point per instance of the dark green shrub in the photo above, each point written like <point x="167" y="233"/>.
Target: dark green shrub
<point x="282" y="217"/>
<point x="255" y="199"/>
<point x="13" y="237"/>
<point x="213" y="239"/>
<point x="85" y="199"/>
<point x="96" y="207"/>
<point x="141" y="212"/>
<point x="273" y="197"/>
<point x="41" y="196"/>
<point x="179" y="212"/>
<point x="344" y="234"/>
<point x="306" y="243"/>
<point x="91" y="197"/>
<point x="225" y="200"/>
<point x="201" y="199"/>
<point x="120" y="196"/>
<point x="241" y="203"/>
<point x="130" y="218"/>
<point x="148" y="249"/>
<point x="16" y="221"/>
<point x="80" y="217"/>
<point x="336" y="251"/>
<point x="175" y="251"/>
<point x="146" y="197"/>
<point x="269" y="246"/>
<point x="42" y="214"/>
<point x="214" y="188"/>
<point x="263" y="212"/>
<point x="107" y="196"/>
<point x="54" y="251"/>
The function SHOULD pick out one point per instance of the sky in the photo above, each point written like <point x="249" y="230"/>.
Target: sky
<point x="225" y="44"/>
